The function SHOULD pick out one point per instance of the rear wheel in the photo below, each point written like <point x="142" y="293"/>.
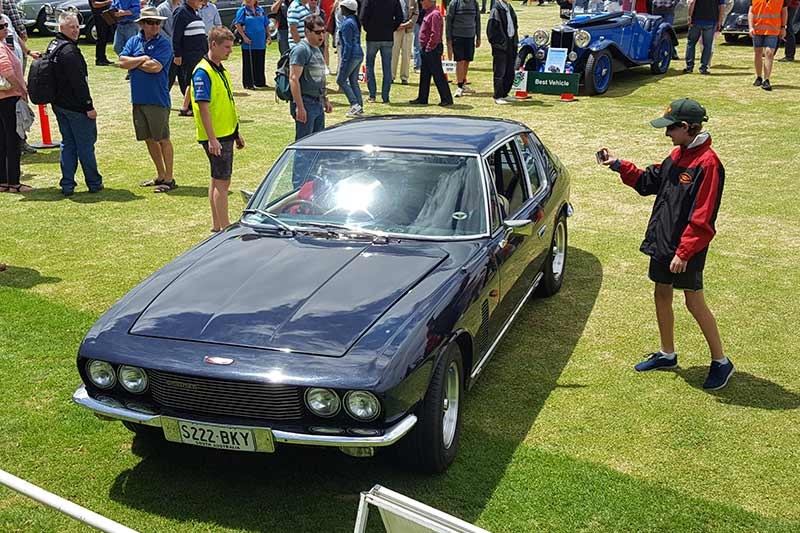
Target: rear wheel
<point x="731" y="38"/>
<point x="663" y="56"/>
<point x="556" y="262"/>
<point x="433" y="444"/>
<point x="598" y="72"/>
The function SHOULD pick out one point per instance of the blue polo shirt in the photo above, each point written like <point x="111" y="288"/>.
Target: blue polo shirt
<point x="127" y="5"/>
<point x="146" y="87"/>
<point x="255" y="26"/>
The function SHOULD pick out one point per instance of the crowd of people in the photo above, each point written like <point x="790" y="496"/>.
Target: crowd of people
<point x="183" y="41"/>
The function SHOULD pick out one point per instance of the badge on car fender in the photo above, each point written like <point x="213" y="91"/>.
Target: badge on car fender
<point x="217" y="360"/>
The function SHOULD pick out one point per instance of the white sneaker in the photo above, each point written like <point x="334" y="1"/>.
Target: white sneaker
<point x="459" y="92"/>
<point x="501" y="101"/>
<point x="468" y="90"/>
<point x="510" y="99"/>
<point x="354" y="111"/>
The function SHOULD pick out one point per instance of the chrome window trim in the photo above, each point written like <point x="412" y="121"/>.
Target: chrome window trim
<point x="390" y="235"/>
<point x="527" y="203"/>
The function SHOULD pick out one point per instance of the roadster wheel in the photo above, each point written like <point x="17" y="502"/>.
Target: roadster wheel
<point x="433" y="444"/>
<point x="731" y="38"/>
<point x="598" y="72"/>
<point x="663" y="56"/>
<point x="556" y="262"/>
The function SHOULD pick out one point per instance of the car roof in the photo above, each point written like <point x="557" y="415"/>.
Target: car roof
<point x="417" y="132"/>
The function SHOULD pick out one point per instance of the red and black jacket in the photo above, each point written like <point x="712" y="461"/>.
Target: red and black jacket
<point x="688" y="188"/>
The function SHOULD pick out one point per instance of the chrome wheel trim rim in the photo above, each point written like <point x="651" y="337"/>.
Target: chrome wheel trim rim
<point x="450" y="405"/>
<point x="559" y="250"/>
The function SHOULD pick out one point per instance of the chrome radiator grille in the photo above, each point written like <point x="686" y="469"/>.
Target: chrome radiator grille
<point x="228" y="398"/>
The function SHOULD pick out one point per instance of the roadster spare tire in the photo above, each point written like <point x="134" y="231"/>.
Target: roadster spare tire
<point x="662" y="55"/>
<point x="598" y="72"/>
<point x="433" y="444"/>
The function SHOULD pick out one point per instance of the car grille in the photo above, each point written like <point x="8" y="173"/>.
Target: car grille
<point x="561" y="39"/>
<point x="230" y="398"/>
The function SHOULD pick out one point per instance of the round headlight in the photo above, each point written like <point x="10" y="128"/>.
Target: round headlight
<point x="132" y="378"/>
<point x="541" y="37"/>
<point x="48" y="9"/>
<point x="362" y="405"/>
<point x="582" y="38"/>
<point x="101" y="374"/>
<point x="573" y="55"/>
<point x="323" y="402"/>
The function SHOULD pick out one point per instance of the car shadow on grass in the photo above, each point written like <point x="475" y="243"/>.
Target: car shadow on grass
<point x="53" y="194"/>
<point x="745" y="389"/>
<point x="626" y="82"/>
<point x="17" y="277"/>
<point x="305" y="489"/>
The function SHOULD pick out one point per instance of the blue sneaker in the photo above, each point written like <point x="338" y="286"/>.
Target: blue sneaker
<point x="656" y="361"/>
<point x="718" y="375"/>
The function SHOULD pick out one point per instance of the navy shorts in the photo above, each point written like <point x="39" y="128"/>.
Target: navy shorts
<point x="463" y="48"/>
<point x="691" y="280"/>
<point x="765" y="41"/>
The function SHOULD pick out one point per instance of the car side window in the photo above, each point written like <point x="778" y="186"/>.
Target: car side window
<point x="497" y="211"/>
<point x="509" y="179"/>
<point x="532" y="162"/>
<point x="549" y="161"/>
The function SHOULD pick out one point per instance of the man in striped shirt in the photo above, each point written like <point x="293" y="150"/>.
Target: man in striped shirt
<point x="190" y="44"/>
<point x="296" y="17"/>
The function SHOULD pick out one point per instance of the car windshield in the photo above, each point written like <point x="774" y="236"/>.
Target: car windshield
<point x="431" y="195"/>
<point x="583" y="7"/>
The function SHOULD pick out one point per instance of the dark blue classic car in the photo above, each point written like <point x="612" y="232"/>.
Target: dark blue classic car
<point x="601" y="38"/>
<point x="359" y="296"/>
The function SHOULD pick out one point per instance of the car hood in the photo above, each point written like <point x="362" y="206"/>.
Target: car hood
<point x="306" y="295"/>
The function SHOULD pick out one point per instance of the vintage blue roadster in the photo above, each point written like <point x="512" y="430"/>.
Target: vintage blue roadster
<point x="601" y="38"/>
<point x="362" y="292"/>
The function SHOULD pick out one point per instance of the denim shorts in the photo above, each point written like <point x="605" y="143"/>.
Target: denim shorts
<point x="765" y="41"/>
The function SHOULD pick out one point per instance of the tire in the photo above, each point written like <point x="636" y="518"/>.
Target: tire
<point x="663" y="56"/>
<point x="599" y="72"/>
<point x="148" y="432"/>
<point x="556" y="263"/>
<point x="433" y="444"/>
<point x="731" y="38"/>
<point x="41" y="18"/>
<point x="90" y="31"/>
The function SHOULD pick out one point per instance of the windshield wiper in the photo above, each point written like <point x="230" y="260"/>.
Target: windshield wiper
<point x="341" y="229"/>
<point x="272" y="218"/>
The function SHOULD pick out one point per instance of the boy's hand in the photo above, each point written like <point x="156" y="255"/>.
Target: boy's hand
<point x="677" y="265"/>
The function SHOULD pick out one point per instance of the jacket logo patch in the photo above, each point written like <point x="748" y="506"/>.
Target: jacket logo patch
<point x="685" y="178"/>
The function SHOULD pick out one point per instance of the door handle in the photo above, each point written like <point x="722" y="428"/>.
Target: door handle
<point x="541" y="231"/>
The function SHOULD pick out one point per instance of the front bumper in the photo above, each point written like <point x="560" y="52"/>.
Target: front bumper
<point x="390" y="436"/>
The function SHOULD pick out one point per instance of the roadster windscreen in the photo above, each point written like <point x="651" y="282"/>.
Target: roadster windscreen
<point x="582" y="7"/>
<point x="431" y="195"/>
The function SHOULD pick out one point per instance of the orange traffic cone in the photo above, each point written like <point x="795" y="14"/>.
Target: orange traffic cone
<point x="44" y="123"/>
<point x="362" y="77"/>
<point x="523" y="94"/>
<point x="568" y="97"/>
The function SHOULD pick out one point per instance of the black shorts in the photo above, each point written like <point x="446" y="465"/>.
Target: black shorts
<point x="463" y="48"/>
<point x="221" y="165"/>
<point x="691" y="280"/>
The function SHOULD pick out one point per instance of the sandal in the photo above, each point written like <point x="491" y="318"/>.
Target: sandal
<point x="19" y="188"/>
<point x="152" y="183"/>
<point x="166" y="186"/>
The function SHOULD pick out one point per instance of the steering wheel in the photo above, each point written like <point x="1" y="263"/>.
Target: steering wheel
<point x="305" y="207"/>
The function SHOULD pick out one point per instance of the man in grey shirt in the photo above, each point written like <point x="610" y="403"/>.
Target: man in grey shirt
<point x="307" y="80"/>
<point x="462" y="27"/>
<point x="167" y="9"/>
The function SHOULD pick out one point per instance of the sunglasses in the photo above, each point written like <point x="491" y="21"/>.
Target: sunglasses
<point x="151" y="22"/>
<point x="674" y="126"/>
<point x="318" y="32"/>
<point x="3" y="26"/>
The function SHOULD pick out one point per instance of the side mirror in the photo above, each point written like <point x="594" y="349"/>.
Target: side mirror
<point x="523" y="228"/>
<point x="246" y="195"/>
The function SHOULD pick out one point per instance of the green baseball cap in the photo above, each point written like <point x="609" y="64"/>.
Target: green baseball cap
<point x="683" y="110"/>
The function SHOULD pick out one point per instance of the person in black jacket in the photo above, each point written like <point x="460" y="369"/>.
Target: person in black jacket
<point x="502" y="33"/>
<point x="380" y="19"/>
<point x="74" y="109"/>
<point x="189" y="44"/>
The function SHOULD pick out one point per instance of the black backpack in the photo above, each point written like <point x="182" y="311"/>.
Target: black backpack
<point x="42" y="74"/>
<point x="282" y="88"/>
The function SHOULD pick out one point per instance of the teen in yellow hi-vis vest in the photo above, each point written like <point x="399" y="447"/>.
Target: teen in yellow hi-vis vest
<point x="216" y="120"/>
<point x="767" y="21"/>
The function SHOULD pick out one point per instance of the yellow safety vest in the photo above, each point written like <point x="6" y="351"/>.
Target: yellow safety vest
<point x="767" y="17"/>
<point x="221" y="107"/>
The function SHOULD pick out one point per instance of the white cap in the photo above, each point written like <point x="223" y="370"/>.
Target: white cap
<point x="352" y="5"/>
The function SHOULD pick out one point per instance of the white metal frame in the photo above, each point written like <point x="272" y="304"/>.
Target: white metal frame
<point x="431" y="519"/>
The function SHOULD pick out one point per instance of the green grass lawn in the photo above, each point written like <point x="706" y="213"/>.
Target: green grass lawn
<point x="559" y="434"/>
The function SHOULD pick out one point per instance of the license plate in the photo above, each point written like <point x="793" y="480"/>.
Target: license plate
<point x="222" y="437"/>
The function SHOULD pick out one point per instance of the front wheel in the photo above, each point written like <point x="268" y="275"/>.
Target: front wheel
<point x="433" y="444"/>
<point x="598" y="72"/>
<point x="731" y="38"/>
<point x="663" y="56"/>
<point x="91" y="32"/>
<point x="556" y="262"/>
